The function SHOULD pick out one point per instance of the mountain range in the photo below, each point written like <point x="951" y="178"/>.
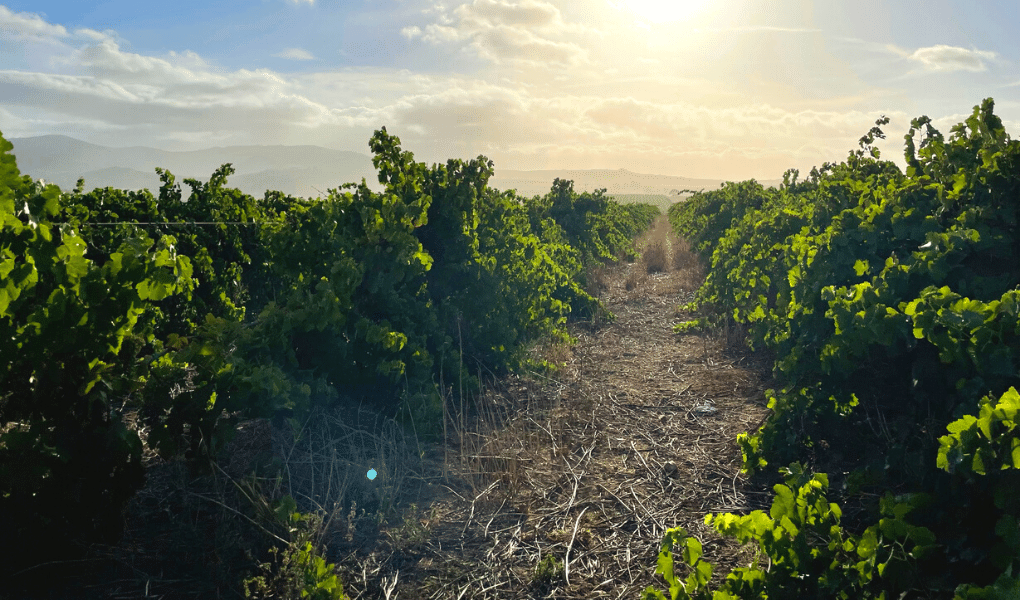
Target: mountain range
<point x="300" y="171"/>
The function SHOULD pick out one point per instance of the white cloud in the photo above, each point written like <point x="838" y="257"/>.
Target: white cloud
<point x="106" y="59"/>
<point x="295" y="54"/>
<point x="644" y="122"/>
<point x="442" y="33"/>
<point x="523" y="31"/>
<point x="411" y="32"/>
<point x="522" y="13"/>
<point x="62" y="87"/>
<point x="27" y="25"/>
<point x="92" y="34"/>
<point x="952" y="58"/>
<point x="504" y="43"/>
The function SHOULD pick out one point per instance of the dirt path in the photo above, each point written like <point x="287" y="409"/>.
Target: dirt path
<point x="634" y="435"/>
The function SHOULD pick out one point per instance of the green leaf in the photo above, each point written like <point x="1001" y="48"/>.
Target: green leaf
<point x="868" y="543"/>
<point x="784" y="504"/>
<point x="665" y="568"/>
<point x="692" y="551"/>
<point x="788" y="525"/>
<point x="861" y="267"/>
<point x="703" y="570"/>
<point x="962" y="424"/>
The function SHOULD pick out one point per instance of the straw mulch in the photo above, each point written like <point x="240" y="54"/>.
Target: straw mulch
<point x="635" y="434"/>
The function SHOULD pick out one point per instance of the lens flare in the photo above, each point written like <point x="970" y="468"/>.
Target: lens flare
<point x="372" y="474"/>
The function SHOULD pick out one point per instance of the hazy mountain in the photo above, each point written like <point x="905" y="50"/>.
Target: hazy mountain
<point x="295" y="170"/>
<point x="120" y="177"/>
<point x="618" y="181"/>
<point x="301" y="171"/>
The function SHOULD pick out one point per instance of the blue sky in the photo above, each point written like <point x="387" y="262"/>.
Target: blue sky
<point x="700" y="88"/>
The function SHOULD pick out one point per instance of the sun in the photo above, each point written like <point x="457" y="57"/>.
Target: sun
<point x="664" y="11"/>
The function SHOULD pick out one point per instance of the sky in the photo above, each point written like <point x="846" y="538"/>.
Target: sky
<point x="727" y="89"/>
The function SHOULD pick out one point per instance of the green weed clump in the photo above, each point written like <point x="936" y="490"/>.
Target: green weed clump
<point x="298" y="569"/>
<point x="549" y="571"/>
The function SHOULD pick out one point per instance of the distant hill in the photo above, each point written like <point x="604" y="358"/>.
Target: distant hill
<point x="294" y="170"/>
<point x="620" y="183"/>
<point x="301" y="171"/>
<point x="125" y="178"/>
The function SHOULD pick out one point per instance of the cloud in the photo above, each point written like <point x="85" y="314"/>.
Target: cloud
<point x="523" y="13"/>
<point x="107" y="60"/>
<point x="42" y="42"/>
<point x="168" y="97"/>
<point x="438" y="34"/>
<point x="295" y="54"/>
<point x="522" y="31"/>
<point x="645" y="122"/>
<point x="952" y="58"/>
<point x="93" y="35"/>
<point x="503" y="43"/>
<point x="411" y="32"/>
<point x="27" y="25"/>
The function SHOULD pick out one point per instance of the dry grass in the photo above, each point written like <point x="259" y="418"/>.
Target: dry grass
<point x="687" y="264"/>
<point x="634" y="279"/>
<point x="656" y="257"/>
<point x="325" y="466"/>
<point x="596" y="279"/>
<point x="553" y="351"/>
<point x="683" y="256"/>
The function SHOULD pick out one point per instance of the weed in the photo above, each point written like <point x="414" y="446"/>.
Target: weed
<point x="550" y="355"/>
<point x="298" y="570"/>
<point x="548" y="571"/>
<point x="412" y="533"/>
